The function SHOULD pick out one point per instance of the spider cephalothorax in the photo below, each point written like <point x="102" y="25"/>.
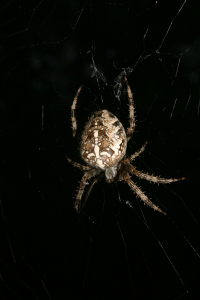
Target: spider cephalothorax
<point x="103" y="148"/>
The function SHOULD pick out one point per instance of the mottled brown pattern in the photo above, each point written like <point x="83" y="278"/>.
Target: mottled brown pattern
<point x="89" y="146"/>
<point x="109" y="151"/>
<point x="105" y="143"/>
<point x="103" y="148"/>
<point x="111" y="139"/>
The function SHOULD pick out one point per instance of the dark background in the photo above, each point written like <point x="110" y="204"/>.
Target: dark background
<point x="110" y="250"/>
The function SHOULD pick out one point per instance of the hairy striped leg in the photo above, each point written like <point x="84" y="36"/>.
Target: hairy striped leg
<point x="142" y="196"/>
<point x="136" y="154"/>
<point x="152" y="178"/>
<point x="83" y="183"/>
<point x="73" y="108"/>
<point x="131" y="112"/>
<point x="95" y="180"/>
<point x="77" y="165"/>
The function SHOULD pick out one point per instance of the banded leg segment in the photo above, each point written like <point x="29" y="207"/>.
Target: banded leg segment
<point x="95" y="180"/>
<point x="131" y="112"/>
<point x="136" y="154"/>
<point x="152" y="178"/>
<point x="142" y="196"/>
<point x="73" y="116"/>
<point x="83" y="183"/>
<point x="77" y="165"/>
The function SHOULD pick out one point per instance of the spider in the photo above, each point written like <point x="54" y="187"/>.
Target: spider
<point x="103" y="148"/>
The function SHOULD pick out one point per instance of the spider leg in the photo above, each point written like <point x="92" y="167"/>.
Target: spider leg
<point x="136" y="154"/>
<point x="152" y="178"/>
<point x="95" y="180"/>
<point x="75" y="164"/>
<point x="73" y="108"/>
<point x="131" y="112"/>
<point x="142" y="196"/>
<point x="91" y="173"/>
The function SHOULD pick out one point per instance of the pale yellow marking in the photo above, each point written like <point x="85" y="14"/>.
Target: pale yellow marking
<point x="90" y="154"/>
<point x="105" y="153"/>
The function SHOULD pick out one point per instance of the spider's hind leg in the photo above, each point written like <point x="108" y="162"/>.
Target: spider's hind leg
<point x="73" y="116"/>
<point x="131" y="112"/>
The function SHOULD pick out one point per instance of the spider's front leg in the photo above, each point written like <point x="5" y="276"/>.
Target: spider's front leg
<point x="142" y="196"/>
<point x="152" y="178"/>
<point x="83" y="183"/>
<point x="123" y="175"/>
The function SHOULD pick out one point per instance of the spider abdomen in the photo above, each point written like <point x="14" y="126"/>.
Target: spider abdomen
<point x="103" y="140"/>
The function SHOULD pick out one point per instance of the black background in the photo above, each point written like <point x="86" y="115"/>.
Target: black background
<point x="110" y="250"/>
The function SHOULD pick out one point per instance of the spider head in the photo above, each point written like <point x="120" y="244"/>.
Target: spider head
<point x="111" y="173"/>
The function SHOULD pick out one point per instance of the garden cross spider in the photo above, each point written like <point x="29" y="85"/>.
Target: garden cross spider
<point x="103" y="148"/>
